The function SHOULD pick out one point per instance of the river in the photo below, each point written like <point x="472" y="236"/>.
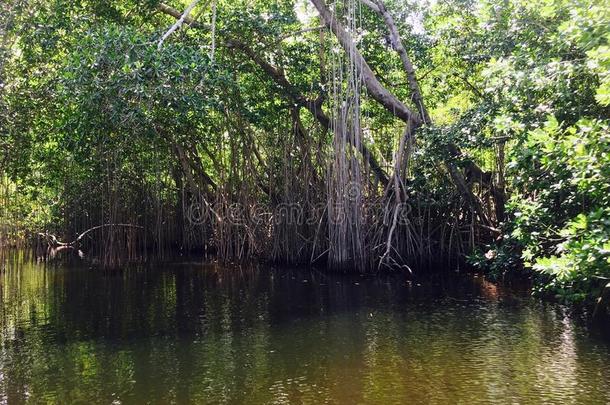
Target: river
<point x="189" y="332"/>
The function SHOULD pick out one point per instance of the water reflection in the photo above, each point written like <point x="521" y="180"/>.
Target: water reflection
<point x="188" y="332"/>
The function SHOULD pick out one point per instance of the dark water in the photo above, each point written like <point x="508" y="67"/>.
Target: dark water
<point x="188" y="332"/>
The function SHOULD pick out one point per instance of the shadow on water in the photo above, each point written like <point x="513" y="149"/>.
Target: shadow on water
<point x="193" y="332"/>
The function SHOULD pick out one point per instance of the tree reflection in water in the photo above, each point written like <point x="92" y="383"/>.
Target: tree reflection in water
<point x="189" y="332"/>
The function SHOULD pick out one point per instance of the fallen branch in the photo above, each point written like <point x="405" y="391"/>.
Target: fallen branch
<point x="54" y="242"/>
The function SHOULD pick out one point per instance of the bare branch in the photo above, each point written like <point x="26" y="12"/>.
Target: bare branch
<point x="165" y="9"/>
<point x="178" y="23"/>
<point x="53" y="241"/>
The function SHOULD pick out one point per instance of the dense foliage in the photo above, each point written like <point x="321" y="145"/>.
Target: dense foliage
<point x="236" y="113"/>
<point x="550" y="105"/>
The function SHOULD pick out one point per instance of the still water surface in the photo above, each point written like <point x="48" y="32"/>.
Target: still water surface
<point x="194" y="333"/>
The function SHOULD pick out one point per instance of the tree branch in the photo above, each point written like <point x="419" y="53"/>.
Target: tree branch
<point x="53" y="241"/>
<point x="178" y="23"/>
<point x="299" y="32"/>
<point x="374" y="87"/>
<point x="458" y="178"/>
<point x="165" y="9"/>
<point x="312" y="106"/>
<point x="379" y="7"/>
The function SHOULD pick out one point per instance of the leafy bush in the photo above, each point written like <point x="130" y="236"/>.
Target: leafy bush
<point x="562" y="215"/>
<point x="498" y="260"/>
